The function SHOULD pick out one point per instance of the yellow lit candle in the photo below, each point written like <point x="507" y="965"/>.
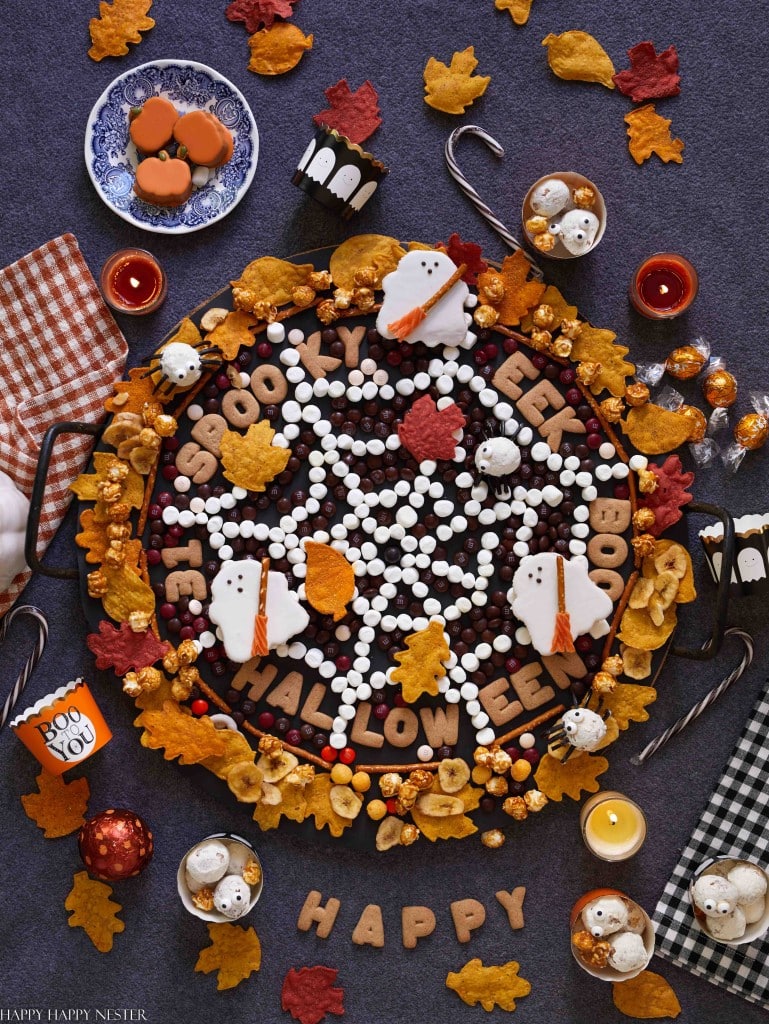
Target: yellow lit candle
<point x="613" y="827"/>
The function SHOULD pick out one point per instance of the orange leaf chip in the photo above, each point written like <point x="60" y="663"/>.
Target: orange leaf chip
<point x="362" y="251"/>
<point x="58" y="807"/>
<point x="293" y="805"/>
<point x="577" y="56"/>
<point x="180" y="735"/>
<point x="233" y="333"/>
<point x="86" y="485"/>
<point x="277" y="49"/>
<point x="579" y="774"/>
<point x="519" y="9"/>
<point x="454" y="88"/>
<point x="428" y="432"/>
<point x="638" y="630"/>
<point x="520" y="295"/>
<point x="272" y="280"/>
<point x="318" y="796"/>
<point x="489" y="986"/>
<point x="93" y="537"/>
<point x="420" y="666"/>
<point x="250" y="460"/>
<point x="627" y="703"/>
<point x="118" y="24"/>
<point x="94" y="911"/>
<point x="236" y="749"/>
<point x="126" y="593"/>
<point x="309" y="994"/>
<point x="330" y="581"/>
<point x="561" y="309"/>
<point x="654" y="430"/>
<point x="645" y="997"/>
<point x="235" y="952"/>
<point x="597" y="345"/>
<point x="649" y="132"/>
<point x="453" y="826"/>
<point x="138" y="389"/>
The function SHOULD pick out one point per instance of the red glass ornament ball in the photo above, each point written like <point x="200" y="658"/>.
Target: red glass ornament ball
<point x="115" y="844"/>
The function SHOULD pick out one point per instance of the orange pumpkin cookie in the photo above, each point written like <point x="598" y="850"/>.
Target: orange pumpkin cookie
<point x="163" y="180"/>
<point x="152" y="125"/>
<point x="207" y="141"/>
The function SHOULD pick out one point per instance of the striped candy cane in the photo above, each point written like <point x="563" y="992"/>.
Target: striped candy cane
<point x="29" y="668"/>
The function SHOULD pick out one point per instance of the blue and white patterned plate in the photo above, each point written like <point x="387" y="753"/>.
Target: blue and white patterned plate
<point x="111" y="157"/>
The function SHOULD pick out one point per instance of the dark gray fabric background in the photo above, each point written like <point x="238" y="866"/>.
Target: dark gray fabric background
<point x="713" y="208"/>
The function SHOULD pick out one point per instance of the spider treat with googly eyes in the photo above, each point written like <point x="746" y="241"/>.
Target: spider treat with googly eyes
<point x="382" y="545"/>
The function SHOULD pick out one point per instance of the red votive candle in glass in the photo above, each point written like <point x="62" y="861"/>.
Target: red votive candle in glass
<point x="133" y="282"/>
<point x="664" y="286"/>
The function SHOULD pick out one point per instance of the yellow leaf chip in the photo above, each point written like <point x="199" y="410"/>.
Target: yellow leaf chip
<point x="126" y="593"/>
<point x="138" y="389"/>
<point x="489" y="986"/>
<point x="638" y="630"/>
<point x="627" y="703"/>
<point x="579" y="774"/>
<point x="597" y="345"/>
<point x="453" y="826"/>
<point x="118" y="24"/>
<point x="235" y="952"/>
<point x="420" y="666"/>
<point x="577" y="56"/>
<point x="519" y="9"/>
<point x="317" y="795"/>
<point x="664" y="547"/>
<point x="293" y="805"/>
<point x="181" y="735"/>
<point x="233" y="333"/>
<point x="330" y="580"/>
<point x="277" y="49"/>
<point x="58" y="807"/>
<point x="649" y="132"/>
<point x="86" y="485"/>
<point x="520" y="294"/>
<point x="654" y="430"/>
<point x="378" y="251"/>
<point x="94" y="911"/>
<point x="454" y="88"/>
<point x="646" y="997"/>
<point x="250" y="460"/>
<point x="561" y="309"/>
<point x="273" y="280"/>
<point x="236" y="749"/>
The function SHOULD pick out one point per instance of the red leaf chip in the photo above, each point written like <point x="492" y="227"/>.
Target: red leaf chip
<point x="122" y="649"/>
<point x="427" y="431"/>
<point x="468" y="253"/>
<point x="670" y="496"/>
<point x="353" y="114"/>
<point x="651" y="75"/>
<point x="257" y="14"/>
<point x="308" y="994"/>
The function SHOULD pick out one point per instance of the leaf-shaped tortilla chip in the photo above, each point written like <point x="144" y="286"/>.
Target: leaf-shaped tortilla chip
<point x="651" y="75"/>
<point x="124" y="649"/>
<point x="561" y="309"/>
<point x="489" y="986"/>
<point x="420" y="666"/>
<point x="94" y="911"/>
<point x="58" y="807"/>
<point x="362" y="251"/>
<point x="86" y="485"/>
<point x="250" y="460"/>
<point x="317" y="795"/>
<point x="126" y="593"/>
<point x="235" y="952"/>
<point x="330" y="580"/>
<point x="557" y="779"/>
<point x="273" y="280"/>
<point x="454" y="88"/>
<point x="520" y="295"/>
<point x="309" y="994"/>
<point x="293" y="805"/>
<point x="233" y="333"/>
<point x="638" y="630"/>
<point x="138" y="389"/>
<point x="277" y="49"/>
<point x="646" y="997"/>
<point x="118" y="24"/>
<point x="92" y="537"/>
<point x="577" y="56"/>
<point x="180" y="735"/>
<point x="654" y="430"/>
<point x="627" y="703"/>
<point x="519" y="9"/>
<point x="649" y="132"/>
<point x="454" y="826"/>
<point x="597" y="345"/>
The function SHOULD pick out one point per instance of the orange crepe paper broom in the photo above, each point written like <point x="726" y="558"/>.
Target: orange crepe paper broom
<point x="562" y="642"/>
<point x="410" y="321"/>
<point x="259" y="646"/>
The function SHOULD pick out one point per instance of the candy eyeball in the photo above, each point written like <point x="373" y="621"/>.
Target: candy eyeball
<point x="181" y="364"/>
<point x="550" y="197"/>
<point x="714" y="895"/>
<point x="554" y="227"/>
<point x="578" y="231"/>
<point x="232" y="897"/>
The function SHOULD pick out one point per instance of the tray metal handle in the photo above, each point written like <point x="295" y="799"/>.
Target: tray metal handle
<point x="38" y="491"/>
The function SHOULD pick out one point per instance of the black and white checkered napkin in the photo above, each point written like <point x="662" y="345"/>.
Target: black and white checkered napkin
<point x="735" y="823"/>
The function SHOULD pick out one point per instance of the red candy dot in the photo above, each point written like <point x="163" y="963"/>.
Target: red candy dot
<point x="176" y="531"/>
<point x="381" y="711"/>
<point x="583" y="644"/>
<point x="264" y="350"/>
<point x="574" y="396"/>
<point x="294" y="737"/>
<point x="167" y="611"/>
<point x="480" y="357"/>
<point x="342" y="663"/>
<point x="510" y="345"/>
<point x="491" y="350"/>
<point x="392" y="805"/>
<point x="199" y="706"/>
<point x="200" y="625"/>
<point x="187" y="633"/>
<point x="593" y="425"/>
<point x="394" y="357"/>
<point x="170" y="473"/>
<point x="153" y="557"/>
<point x="171" y="444"/>
<point x="531" y="755"/>
<point x="329" y="754"/>
<point x="512" y="665"/>
<point x="539" y="361"/>
<point x="399" y="701"/>
<point x="266" y="720"/>
<point x="567" y="377"/>
<point x="622" y="492"/>
<point x="347" y="755"/>
<point x="164" y="498"/>
<point x="594" y="441"/>
<point x="154" y="511"/>
<point x="513" y="752"/>
<point x="222" y="381"/>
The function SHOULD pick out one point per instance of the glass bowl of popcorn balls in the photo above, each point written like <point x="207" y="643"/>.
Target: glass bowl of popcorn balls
<point x="612" y="938"/>
<point x="220" y="878"/>
<point x="564" y="215"/>
<point x="730" y="901"/>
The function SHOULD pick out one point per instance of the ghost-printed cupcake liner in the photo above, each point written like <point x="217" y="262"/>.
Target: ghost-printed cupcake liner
<point x="338" y="173"/>
<point x="750" y="572"/>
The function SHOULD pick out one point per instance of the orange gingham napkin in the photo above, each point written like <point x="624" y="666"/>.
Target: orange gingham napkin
<point x="60" y="353"/>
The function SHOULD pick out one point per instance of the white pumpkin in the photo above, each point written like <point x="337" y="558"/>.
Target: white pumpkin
<point x="14" y="512"/>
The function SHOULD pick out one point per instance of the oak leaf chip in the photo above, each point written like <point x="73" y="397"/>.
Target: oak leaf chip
<point x="330" y="580"/>
<point x="670" y="496"/>
<point x="421" y="665"/>
<point x="58" y="807"/>
<point x="651" y="75"/>
<point x="317" y="795"/>
<point x="597" y="345"/>
<point x="428" y="432"/>
<point x="94" y="911"/>
<point x="138" y="389"/>
<point x="646" y="997"/>
<point x="561" y="309"/>
<point x="236" y="749"/>
<point x="453" y="88"/>
<point x="256" y="14"/>
<point x="361" y="251"/>
<point x="250" y="460"/>
<point x="649" y="132"/>
<point x="126" y="593"/>
<point x="293" y="805"/>
<point x="277" y="49"/>
<point x="520" y="294"/>
<point x="579" y="774"/>
<point x="453" y="826"/>
<point x="519" y="9"/>
<point x="490" y="986"/>
<point x="309" y="993"/>
<point x="273" y="280"/>
<point x="92" y="537"/>
<point x="235" y="952"/>
<point x="181" y="735"/>
<point x="86" y="485"/>
<point x="353" y="114"/>
<point x="627" y="703"/>
<point x="233" y="333"/>
<point x="118" y="24"/>
<point x="578" y="56"/>
<point x="123" y="649"/>
<point x="654" y="430"/>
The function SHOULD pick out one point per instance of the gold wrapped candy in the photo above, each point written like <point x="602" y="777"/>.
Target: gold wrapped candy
<point x="698" y="421"/>
<point x="720" y="389"/>
<point x="752" y="431"/>
<point x="685" y="362"/>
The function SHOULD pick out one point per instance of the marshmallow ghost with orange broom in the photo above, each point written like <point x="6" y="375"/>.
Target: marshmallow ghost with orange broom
<point x="424" y="300"/>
